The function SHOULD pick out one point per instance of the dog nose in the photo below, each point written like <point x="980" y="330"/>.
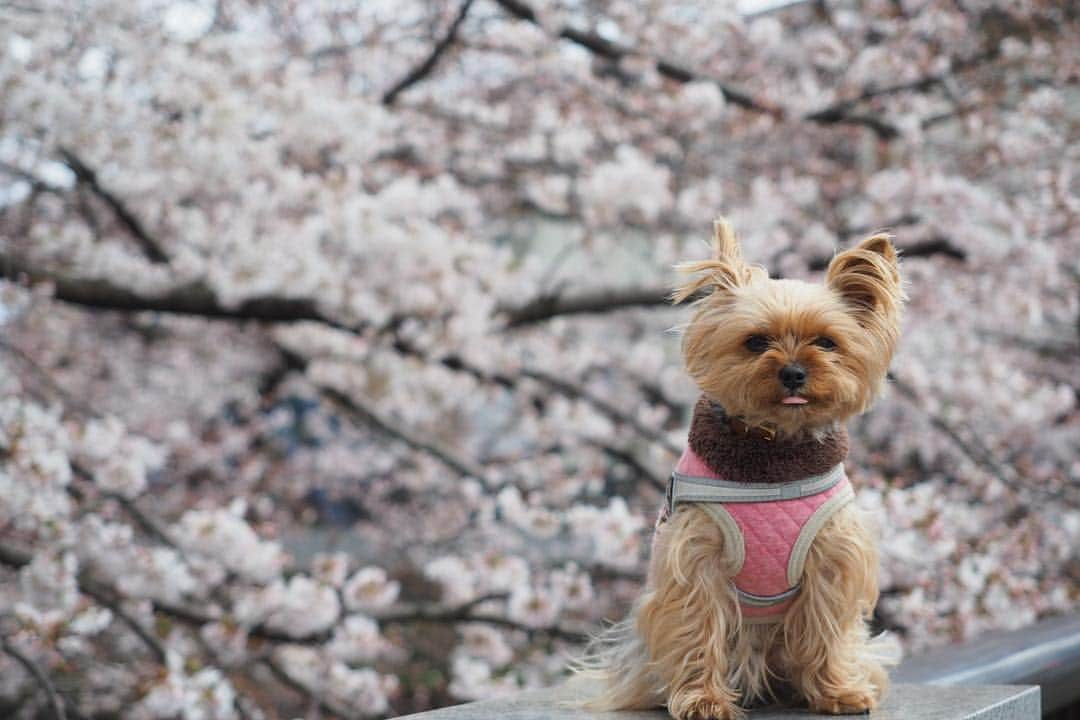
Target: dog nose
<point x="793" y="376"/>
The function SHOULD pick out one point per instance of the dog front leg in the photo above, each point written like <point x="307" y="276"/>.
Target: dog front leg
<point x="688" y="616"/>
<point x="826" y="636"/>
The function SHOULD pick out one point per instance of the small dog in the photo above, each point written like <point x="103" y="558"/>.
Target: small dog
<point x="763" y="574"/>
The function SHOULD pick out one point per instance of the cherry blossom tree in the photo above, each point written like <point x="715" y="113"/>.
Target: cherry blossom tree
<point x="337" y="377"/>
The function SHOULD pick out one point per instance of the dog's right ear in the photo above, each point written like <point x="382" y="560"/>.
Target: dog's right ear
<point x="724" y="272"/>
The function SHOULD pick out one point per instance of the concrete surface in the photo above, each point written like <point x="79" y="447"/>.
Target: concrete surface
<point x="904" y="702"/>
<point x="1046" y="654"/>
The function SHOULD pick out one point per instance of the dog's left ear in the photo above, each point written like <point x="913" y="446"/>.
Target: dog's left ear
<point x="867" y="278"/>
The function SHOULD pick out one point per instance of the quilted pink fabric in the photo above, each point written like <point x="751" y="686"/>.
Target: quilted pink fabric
<point x="769" y="531"/>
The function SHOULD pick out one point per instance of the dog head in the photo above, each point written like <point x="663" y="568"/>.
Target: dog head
<point x="787" y="355"/>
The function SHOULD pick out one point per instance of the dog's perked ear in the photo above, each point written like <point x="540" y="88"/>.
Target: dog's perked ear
<point x="725" y="271"/>
<point x="867" y="279"/>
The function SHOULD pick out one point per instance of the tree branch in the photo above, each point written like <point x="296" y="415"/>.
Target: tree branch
<point x="199" y="299"/>
<point x="148" y="524"/>
<point x="105" y="598"/>
<point x="939" y="245"/>
<point x="150" y="247"/>
<point x="366" y="414"/>
<point x="361" y="412"/>
<point x="407" y="613"/>
<point x="39" y="676"/>
<point x="602" y="300"/>
<point x="627" y="458"/>
<point x="598" y="300"/>
<point x="34" y="181"/>
<point x="455" y="362"/>
<point x="574" y="391"/>
<point x="14" y="557"/>
<point x="464" y="612"/>
<point x="569" y="634"/>
<point x="17" y="558"/>
<point x="609" y="50"/>
<point x="424" y="69"/>
<point x="192" y="299"/>
<point x="557" y="384"/>
<point x="841" y="111"/>
<point x="202" y="302"/>
<point x="975" y="450"/>
<point x="673" y="71"/>
<point x="196" y="618"/>
<point x="654" y="393"/>
<point x="70" y="400"/>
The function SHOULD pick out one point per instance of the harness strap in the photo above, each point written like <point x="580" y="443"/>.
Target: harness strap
<point x="691" y="488"/>
<point x="821" y="516"/>
<point x="763" y="601"/>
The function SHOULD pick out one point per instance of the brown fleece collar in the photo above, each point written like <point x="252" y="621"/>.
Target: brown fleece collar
<point x="750" y="457"/>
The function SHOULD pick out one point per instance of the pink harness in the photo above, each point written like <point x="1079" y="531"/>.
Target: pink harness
<point x="768" y="526"/>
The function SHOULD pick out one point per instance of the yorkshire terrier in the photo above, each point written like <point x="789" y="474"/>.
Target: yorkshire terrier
<point x="763" y="574"/>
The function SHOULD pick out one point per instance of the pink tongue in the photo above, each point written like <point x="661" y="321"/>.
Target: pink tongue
<point x="794" y="401"/>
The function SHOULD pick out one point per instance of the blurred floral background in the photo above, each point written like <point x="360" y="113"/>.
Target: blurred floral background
<point x="336" y="371"/>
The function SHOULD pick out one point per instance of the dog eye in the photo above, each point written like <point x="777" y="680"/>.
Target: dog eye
<point x="757" y="343"/>
<point x="825" y="343"/>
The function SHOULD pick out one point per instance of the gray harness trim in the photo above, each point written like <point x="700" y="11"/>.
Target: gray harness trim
<point x="766" y="600"/>
<point x="690" y="488"/>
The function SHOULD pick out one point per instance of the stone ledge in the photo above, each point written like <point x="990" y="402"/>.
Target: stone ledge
<point x="904" y="702"/>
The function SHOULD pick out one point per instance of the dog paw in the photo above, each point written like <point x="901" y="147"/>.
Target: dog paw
<point x="850" y="702"/>
<point x="704" y="707"/>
